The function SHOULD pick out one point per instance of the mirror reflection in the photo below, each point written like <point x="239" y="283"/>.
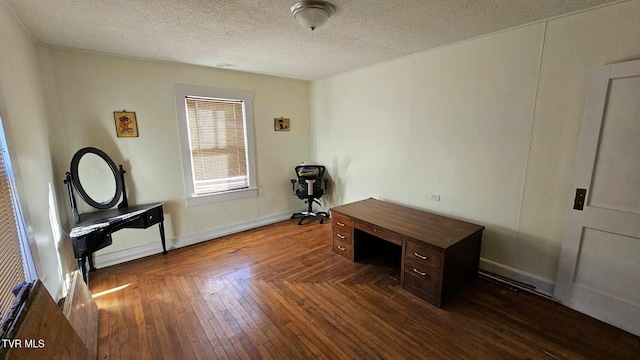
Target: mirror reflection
<point x="96" y="177"/>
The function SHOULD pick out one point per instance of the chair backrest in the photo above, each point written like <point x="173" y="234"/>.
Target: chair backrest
<point x="309" y="172"/>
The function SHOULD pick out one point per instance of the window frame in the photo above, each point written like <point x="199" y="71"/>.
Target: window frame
<point x="180" y="93"/>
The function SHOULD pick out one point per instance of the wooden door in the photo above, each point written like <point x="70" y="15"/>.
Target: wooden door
<point x="599" y="268"/>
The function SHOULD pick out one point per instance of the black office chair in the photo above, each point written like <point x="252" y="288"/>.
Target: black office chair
<point x="309" y="189"/>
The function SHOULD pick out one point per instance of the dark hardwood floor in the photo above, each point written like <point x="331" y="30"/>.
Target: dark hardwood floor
<point x="278" y="292"/>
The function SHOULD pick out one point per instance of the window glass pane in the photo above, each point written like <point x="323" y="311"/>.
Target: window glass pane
<point x="218" y="144"/>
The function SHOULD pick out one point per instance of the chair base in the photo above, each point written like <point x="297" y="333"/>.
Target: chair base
<point x="320" y="216"/>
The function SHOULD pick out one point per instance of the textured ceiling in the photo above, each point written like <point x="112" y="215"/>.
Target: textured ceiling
<point x="261" y="36"/>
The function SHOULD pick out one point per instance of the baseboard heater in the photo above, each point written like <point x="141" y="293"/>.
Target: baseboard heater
<point x="511" y="284"/>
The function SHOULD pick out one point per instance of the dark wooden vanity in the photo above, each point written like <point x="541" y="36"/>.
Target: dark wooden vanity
<point x="93" y="231"/>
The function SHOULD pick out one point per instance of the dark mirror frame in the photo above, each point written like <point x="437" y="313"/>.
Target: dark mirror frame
<point x="78" y="185"/>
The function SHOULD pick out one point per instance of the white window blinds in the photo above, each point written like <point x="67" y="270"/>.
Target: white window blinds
<point x="218" y="144"/>
<point x="11" y="265"/>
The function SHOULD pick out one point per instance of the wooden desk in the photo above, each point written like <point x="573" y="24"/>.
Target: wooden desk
<point x="94" y="230"/>
<point x="439" y="254"/>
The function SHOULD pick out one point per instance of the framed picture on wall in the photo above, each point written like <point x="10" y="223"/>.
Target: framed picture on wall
<point x="281" y="124"/>
<point x="126" y="123"/>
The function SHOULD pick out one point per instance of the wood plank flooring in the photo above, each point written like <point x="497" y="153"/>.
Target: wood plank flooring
<point x="278" y="292"/>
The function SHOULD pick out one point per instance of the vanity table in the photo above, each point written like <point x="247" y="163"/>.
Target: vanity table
<point x="100" y="184"/>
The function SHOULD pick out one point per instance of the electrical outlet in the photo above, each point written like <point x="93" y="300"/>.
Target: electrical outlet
<point x="434" y="197"/>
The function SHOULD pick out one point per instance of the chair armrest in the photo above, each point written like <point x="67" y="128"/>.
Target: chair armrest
<point x="326" y="184"/>
<point x="293" y="186"/>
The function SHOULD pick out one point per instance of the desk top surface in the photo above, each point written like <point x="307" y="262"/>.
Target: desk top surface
<point x="101" y="219"/>
<point x="437" y="230"/>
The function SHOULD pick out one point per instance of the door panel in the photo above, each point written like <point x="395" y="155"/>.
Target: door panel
<point x="616" y="178"/>
<point x="599" y="269"/>
<point x="605" y="256"/>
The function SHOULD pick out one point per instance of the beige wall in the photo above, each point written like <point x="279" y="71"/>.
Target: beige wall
<point x="24" y="116"/>
<point x="89" y="87"/>
<point x="491" y="125"/>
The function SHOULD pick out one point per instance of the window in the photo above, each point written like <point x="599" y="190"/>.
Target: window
<point x="15" y="260"/>
<point x="216" y="139"/>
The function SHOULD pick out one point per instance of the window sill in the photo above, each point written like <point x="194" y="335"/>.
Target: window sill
<point x="220" y="197"/>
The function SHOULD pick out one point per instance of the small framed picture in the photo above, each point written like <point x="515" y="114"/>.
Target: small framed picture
<point x="126" y="123"/>
<point x="281" y="124"/>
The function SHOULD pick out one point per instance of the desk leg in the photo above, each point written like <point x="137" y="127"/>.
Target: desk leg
<point x="164" y="245"/>
<point x="83" y="270"/>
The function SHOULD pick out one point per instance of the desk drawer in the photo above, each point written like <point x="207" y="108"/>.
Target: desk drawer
<point x="390" y="236"/>
<point x="422" y="281"/>
<point x="423" y="255"/>
<point x="414" y="284"/>
<point x="153" y="216"/>
<point x="343" y="249"/>
<point x="426" y="274"/>
<point x="340" y="221"/>
<point x="343" y="236"/>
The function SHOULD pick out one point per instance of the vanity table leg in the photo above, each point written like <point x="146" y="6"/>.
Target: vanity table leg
<point x="164" y="245"/>
<point x="91" y="267"/>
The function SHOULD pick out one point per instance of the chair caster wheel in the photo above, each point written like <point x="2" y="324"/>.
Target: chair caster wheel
<point x="321" y="221"/>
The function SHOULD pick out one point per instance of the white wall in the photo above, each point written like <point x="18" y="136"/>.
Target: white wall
<point x="24" y="116"/>
<point x="491" y="125"/>
<point x="88" y="88"/>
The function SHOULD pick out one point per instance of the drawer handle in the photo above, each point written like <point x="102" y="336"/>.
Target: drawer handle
<point x="344" y="249"/>
<point x="342" y="236"/>
<point x="421" y="256"/>
<point x="339" y="223"/>
<point x="419" y="272"/>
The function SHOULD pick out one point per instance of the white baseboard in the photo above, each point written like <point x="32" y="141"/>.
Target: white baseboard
<point x="137" y="252"/>
<point x="541" y="285"/>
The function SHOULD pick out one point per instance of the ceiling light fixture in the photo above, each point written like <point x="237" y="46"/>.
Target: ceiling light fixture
<point x="312" y="14"/>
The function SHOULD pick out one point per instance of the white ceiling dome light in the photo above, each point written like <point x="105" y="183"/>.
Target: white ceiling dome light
<point x="312" y="14"/>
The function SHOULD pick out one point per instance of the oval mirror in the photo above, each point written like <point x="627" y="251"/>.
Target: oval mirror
<point x="96" y="178"/>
